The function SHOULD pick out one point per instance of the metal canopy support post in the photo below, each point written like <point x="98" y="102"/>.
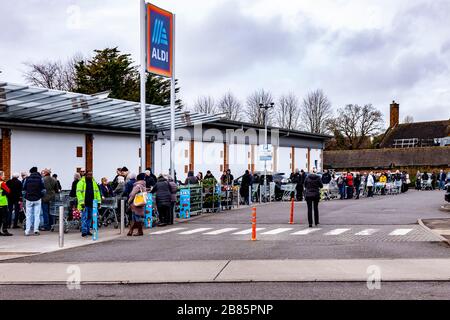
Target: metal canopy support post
<point x="143" y="80"/>
<point x="172" y="107"/>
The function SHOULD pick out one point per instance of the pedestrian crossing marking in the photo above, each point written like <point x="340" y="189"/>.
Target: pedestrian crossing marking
<point x="198" y="230"/>
<point x="400" y="232"/>
<point x="367" y="232"/>
<point x="337" y="232"/>
<point x="248" y="231"/>
<point x="276" y="231"/>
<point x="267" y="231"/>
<point x="305" y="232"/>
<point x="168" y="231"/>
<point x="220" y="231"/>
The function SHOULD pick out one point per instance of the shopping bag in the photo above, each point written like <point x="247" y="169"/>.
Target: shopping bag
<point x="140" y="199"/>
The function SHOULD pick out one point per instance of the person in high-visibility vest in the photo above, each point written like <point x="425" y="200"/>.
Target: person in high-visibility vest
<point x="87" y="192"/>
<point x="4" y="191"/>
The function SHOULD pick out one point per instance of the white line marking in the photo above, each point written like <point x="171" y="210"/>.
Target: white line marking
<point x="248" y="231"/>
<point x="400" y="232"/>
<point x="305" y="232"/>
<point x="213" y="233"/>
<point x="367" y="232"/>
<point x="337" y="232"/>
<point x="167" y="231"/>
<point x="277" y="231"/>
<point x="195" y="231"/>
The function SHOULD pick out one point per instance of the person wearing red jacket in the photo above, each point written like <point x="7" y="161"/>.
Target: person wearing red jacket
<point x="349" y="185"/>
<point x="4" y="191"/>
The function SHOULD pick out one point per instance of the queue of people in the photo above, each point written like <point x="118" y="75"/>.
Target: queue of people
<point x="40" y="190"/>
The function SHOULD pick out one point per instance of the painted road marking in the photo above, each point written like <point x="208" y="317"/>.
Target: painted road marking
<point x="400" y="232"/>
<point x="167" y="231"/>
<point x="198" y="230"/>
<point x="220" y="231"/>
<point x="305" y="232"/>
<point x="277" y="231"/>
<point x="248" y="231"/>
<point x="337" y="232"/>
<point x="367" y="232"/>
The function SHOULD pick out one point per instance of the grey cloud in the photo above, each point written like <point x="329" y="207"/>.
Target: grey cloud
<point x="228" y="42"/>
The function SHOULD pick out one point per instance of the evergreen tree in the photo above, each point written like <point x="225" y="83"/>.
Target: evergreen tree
<point x="110" y="70"/>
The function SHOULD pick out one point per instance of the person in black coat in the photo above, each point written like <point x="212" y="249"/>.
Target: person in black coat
<point x="163" y="192"/>
<point x="245" y="185"/>
<point x="326" y="178"/>
<point x="301" y="185"/>
<point x="15" y="187"/>
<point x="313" y="184"/>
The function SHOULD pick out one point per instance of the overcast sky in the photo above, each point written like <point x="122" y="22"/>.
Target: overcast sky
<point x="357" y="51"/>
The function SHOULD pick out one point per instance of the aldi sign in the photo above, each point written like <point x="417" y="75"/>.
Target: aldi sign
<point x="159" y="41"/>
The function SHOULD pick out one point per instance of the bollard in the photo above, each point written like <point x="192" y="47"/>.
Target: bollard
<point x="122" y="216"/>
<point x="253" y="224"/>
<point x="239" y="197"/>
<point x="61" y="226"/>
<point x="291" y="221"/>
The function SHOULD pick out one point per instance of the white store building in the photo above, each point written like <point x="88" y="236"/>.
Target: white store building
<point x="68" y="131"/>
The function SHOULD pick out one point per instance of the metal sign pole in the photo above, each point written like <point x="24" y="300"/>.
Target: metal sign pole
<point x="172" y="107"/>
<point x="143" y="78"/>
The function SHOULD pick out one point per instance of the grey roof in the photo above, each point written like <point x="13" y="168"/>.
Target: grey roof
<point x="34" y="105"/>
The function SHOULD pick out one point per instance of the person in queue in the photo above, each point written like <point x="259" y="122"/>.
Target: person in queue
<point x="313" y="184"/>
<point x="87" y="192"/>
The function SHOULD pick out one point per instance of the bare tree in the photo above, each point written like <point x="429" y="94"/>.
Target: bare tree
<point x="315" y="112"/>
<point x="205" y="104"/>
<point x="56" y="75"/>
<point x="231" y="106"/>
<point x="408" y="119"/>
<point x="356" y="124"/>
<point x="253" y="112"/>
<point x="288" y="112"/>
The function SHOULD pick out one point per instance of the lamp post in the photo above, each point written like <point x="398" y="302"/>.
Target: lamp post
<point x="266" y="108"/>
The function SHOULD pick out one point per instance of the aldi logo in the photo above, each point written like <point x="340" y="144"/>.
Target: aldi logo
<point x="159" y="41"/>
<point x="160" y="33"/>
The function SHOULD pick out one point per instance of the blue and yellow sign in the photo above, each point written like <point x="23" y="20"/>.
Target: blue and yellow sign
<point x="159" y="41"/>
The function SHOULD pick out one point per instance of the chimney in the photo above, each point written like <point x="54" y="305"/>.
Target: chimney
<point x="395" y="114"/>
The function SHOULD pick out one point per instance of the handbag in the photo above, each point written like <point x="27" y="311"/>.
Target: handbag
<point x="140" y="199"/>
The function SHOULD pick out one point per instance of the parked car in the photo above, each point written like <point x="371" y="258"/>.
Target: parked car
<point x="277" y="177"/>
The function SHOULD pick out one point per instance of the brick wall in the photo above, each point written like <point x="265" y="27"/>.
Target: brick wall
<point x="5" y="149"/>
<point x="410" y="158"/>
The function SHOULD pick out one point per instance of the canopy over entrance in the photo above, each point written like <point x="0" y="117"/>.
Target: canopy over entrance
<point x="26" y="104"/>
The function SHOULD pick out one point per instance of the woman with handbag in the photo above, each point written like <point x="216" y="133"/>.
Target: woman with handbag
<point x="137" y="201"/>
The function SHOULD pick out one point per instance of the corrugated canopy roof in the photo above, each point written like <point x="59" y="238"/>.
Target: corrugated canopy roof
<point x="44" y="106"/>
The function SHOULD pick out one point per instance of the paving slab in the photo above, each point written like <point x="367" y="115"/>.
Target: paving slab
<point x="358" y="270"/>
<point x="21" y="246"/>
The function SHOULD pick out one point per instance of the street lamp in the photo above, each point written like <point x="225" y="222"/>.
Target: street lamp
<point x="266" y="108"/>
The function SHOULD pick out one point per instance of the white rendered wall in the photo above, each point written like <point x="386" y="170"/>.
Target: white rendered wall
<point x="182" y="155"/>
<point x="284" y="160"/>
<point x="162" y="158"/>
<point x="301" y="159"/>
<point x="238" y="158"/>
<point x="316" y="155"/>
<point x="47" y="149"/>
<point x="115" y="151"/>
<point x="208" y="156"/>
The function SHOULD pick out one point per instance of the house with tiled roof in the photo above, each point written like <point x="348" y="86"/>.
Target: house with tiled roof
<point x="416" y="134"/>
<point x="406" y="146"/>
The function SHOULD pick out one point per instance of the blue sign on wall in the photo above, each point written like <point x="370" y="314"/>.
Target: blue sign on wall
<point x="159" y="41"/>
